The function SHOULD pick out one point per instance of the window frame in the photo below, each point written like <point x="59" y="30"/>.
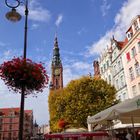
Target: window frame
<point x="134" y="90"/>
<point x="131" y="74"/>
<point x="133" y="52"/>
<point x="137" y="69"/>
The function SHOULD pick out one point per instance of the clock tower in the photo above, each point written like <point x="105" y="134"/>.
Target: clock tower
<point x="56" y="68"/>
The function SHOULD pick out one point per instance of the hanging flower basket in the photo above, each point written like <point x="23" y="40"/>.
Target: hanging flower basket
<point x="19" y="73"/>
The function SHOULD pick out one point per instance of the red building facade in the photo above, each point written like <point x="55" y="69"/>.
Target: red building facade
<point x="9" y="123"/>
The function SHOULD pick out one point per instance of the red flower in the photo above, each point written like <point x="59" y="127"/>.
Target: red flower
<point x="62" y="123"/>
<point x="21" y="72"/>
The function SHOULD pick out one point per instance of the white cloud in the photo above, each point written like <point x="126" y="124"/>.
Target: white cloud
<point x="105" y="7"/>
<point x="8" y="54"/>
<point x="34" y="26"/>
<point x="75" y="70"/>
<point x="59" y="20"/>
<point x="82" y="30"/>
<point x="81" y="66"/>
<point x="2" y="44"/>
<point x="36" y="12"/>
<point x="69" y="75"/>
<point x="129" y="10"/>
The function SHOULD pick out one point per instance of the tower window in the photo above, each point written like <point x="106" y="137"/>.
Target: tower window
<point x="56" y="83"/>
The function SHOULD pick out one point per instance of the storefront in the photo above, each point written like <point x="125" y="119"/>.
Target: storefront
<point x="78" y="136"/>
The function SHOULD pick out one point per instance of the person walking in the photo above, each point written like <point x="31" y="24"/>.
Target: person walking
<point x="129" y="135"/>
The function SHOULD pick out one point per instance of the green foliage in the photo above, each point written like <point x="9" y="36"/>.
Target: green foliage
<point x="79" y="99"/>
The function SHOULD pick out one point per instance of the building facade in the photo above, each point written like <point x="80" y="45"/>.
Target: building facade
<point x="119" y="65"/>
<point x="131" y="58"/>
<point x="105" y="66"/>
<point x="9" y="123"/>
<point x="45" y="129"/>
<point x="118" y="74"/>
<point x="56" y="69"/>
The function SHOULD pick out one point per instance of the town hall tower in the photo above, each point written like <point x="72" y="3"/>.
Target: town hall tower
<point x="56" y="68"/>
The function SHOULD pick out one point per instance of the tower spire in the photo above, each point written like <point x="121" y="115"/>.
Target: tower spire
<point x="56" y="55"/>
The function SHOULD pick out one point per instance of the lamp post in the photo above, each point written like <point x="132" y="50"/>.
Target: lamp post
<point x="14" y="16"/>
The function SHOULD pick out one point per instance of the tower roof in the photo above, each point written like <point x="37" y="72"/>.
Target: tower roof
<point x="56" y="61"/>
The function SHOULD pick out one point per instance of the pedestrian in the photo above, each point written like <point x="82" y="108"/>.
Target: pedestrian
<point x="129" y="135"/>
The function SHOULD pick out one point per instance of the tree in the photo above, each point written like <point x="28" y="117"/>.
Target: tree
<point x="81" y="98"/>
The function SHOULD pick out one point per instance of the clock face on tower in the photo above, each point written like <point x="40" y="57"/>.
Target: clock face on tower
<point x="57" y="72"/>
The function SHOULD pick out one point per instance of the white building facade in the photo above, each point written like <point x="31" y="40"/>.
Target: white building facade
<point x="120" y="64"/>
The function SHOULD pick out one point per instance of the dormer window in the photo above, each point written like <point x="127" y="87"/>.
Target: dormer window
<point x="114" y="45"/>
<point x="129" y="35"/>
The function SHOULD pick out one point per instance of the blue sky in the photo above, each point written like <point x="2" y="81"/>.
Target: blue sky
<point x="84" y="28"/>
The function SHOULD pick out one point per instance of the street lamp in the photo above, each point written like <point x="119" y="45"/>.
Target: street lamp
<point x="14" y="16"/>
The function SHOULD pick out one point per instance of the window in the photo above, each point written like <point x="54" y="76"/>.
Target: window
<point x="129" y="35"/>
<point x="137" y="69"/>
<point x="131" y="73"/>
<point x="133" y="50"/>
<point x="107" y="64"/>
<point x="14" y="133"/>
<point x="101" y="69"/>
<point x="124" y="96"/>
<point x="136" y="26"/>
<point x="0" y="120"/>
<point x="115" y="55"/>
<point x="139" y="86"/>
<point x="119" y="65"/>
<point x="10" y="119"/>
<point x="0" y="127"/>
<point x="139" y="46"/>
<point x="9" y="135"/>
<point x="109" y="79"/>
<point x="134" y="90"/>
<point x="115" y="71"/>
<point x="10" y="126"/>
<point x="128" y="56"/>
<point x="119" y="97"/>
<point x="104" y="67"/>
<point x="122" y="81"/>
<point x="117" y="84"/>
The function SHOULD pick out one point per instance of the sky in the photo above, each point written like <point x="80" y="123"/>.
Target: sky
<point x="83" y="28"/>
